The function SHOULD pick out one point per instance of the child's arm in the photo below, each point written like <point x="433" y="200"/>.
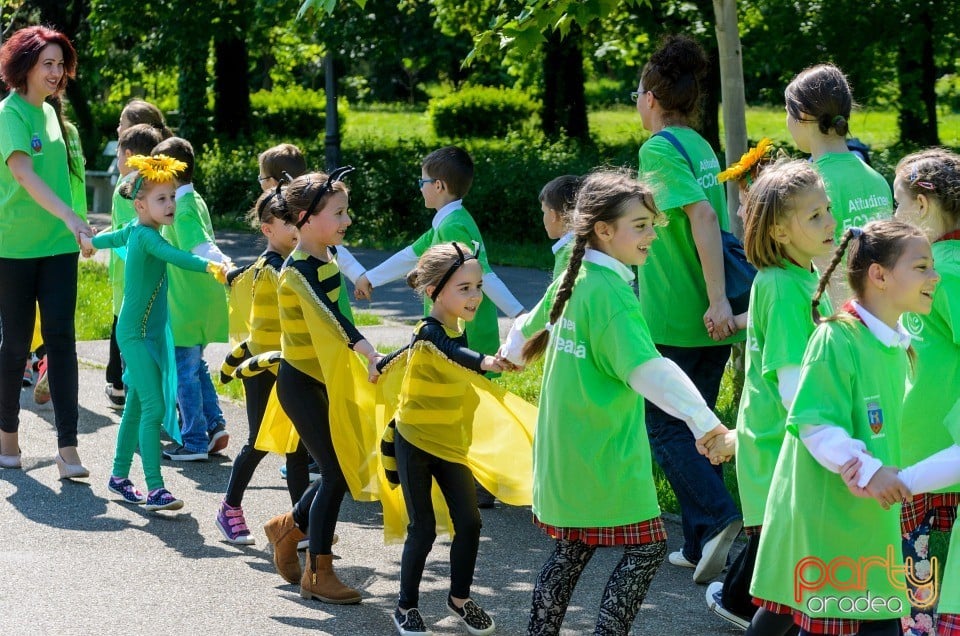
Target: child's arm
<point x="463" y="356"/>
<point x="833" y="447"/>
<point x="662" y="382"/>
<point x="349" y="264"/>
<point x="111" y="240"/>
<point x="933" y="473"/>
<point x="234" y="273"/>
<point x="157" y="246"/>
<point x="497" y="291"/>
<point x="393" y="268"/>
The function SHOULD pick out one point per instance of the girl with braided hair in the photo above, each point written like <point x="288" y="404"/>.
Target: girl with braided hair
<point x="842" y="443"/>
<point x="142" y="326"/>
<point x="593" y="483"/>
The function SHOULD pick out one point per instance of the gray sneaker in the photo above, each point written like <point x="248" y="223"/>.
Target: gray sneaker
<point x="409" y="624"/>
<point x="182" y="454"/>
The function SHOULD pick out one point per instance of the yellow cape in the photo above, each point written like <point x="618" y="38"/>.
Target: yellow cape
<point x="460" y="416"/>
<point x="241" y="303"/>
<point x="352" y="410"/>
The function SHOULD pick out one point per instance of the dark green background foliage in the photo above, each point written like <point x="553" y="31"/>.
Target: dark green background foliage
<point x="480" y="111"/>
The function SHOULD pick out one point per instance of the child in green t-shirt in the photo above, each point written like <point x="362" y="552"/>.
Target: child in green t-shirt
<point x="927" y="191"/>
<point x="137" y="139"/>
<point x="198" y="316"/>
<point x="592" y="471"/>
<point x="788" y="223"/>
<point x="446" y="177"/>
<point x="846" y="413"/>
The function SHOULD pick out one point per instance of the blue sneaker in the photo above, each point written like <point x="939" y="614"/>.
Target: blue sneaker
<point x="125" y="488"/>
<point x="161" y="499"/>
<point x="313" y="469"/>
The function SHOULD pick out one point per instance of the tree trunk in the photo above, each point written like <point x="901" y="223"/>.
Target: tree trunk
<point x="917" y="76"/>
<point x="734" y="103"/>
<point x="231" y="87"/>
<point x="564" y="100"/>
<point x="192" y="91"/>
<point x="332" y="138"/>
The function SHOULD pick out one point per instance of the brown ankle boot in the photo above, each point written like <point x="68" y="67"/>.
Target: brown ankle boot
<point x="283" y="533"/>
<point x="320" y="582"/>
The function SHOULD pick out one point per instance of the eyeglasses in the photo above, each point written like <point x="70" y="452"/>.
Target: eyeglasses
<point x="262" y="179"/>
<point x="420" y="182"/>
<point x="635" y="95"/>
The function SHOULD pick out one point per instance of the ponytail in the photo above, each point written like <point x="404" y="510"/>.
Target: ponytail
<point x="537" y="344"/>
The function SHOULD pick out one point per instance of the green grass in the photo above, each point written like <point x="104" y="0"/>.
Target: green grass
<point x="232" y="389"/>
<point x="94" y="315"/>
<point x="366" y="319"/>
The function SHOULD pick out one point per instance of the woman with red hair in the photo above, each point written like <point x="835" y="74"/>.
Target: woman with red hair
<point x="39" y="237"/>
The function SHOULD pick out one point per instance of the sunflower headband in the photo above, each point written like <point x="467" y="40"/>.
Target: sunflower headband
<point x="155" y="169"/>
<point x="743" y="169"/>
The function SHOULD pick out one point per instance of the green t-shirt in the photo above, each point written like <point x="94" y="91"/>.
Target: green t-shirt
<point x="672" y="291"/>
<point x="591" y="456"/>
<point x="858" y="193"/>
<point x="778" y="325"/>
<point x="26" y="229"/>
<point x="934" y="385"/>
<point x="540" y="315"/>
<point x="851" y="380"/>
<point x="198" y="303"/>
<point x="483" y="332"/>
<point x="78" y="185"/>
<point x="121" y="213"/>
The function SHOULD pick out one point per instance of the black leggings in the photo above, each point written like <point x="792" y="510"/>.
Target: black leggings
<point x="418" y="469"/>
<point x="736" y="595"/>
<point x="51" y="282"/>
<point x="622" y="597"/>
<point x="305" y="401"/>
<point x="115" y="362"/>
<point x="257" y="390"/>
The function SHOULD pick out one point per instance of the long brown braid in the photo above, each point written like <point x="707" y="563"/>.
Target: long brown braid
<point x="537" y="344"/>
<point x="604" y="196"/>
<point x="825" y="277"/>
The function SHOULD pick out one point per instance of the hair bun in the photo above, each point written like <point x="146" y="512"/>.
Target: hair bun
<point x="679" y="56"/>
<point x="412" y="279"/>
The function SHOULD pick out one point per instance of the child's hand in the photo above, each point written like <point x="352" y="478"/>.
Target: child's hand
<point x="373" y="374"/>
<point x="887" y="488"/>
<point x="86" y="245"/>
<point x="219" y="271"/>
<point x="490" y="363"/>
<point x="850" y="472"/>
<point x="507" y="364"/>
<point x="722" y="448"/>
<point x="363" y="290"/>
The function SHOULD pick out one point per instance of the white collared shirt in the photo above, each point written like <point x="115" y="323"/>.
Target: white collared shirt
<point x="563" y="240"/>
<point x="444" y="212"/>
<point x="183" y="190"/>
<point x="898" y="337"/>
<point x="605" y="260"/>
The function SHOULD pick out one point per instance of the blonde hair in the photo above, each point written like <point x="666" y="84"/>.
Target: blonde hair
<point x="434" y="265"/>
<point x="769" y="202"/>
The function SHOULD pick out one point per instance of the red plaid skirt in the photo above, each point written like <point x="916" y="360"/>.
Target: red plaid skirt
<point x="831" y="626"/>
<point x="640" y="533"/>
<point x="912" y="513"/>
<point x="752" y="531"/>
<point x="948" y="625"/>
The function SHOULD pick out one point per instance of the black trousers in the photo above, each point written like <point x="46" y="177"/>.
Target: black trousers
<point x="115" y="362"/>
<point x="51" y="283"/>
<point x="305" y="401"/>
<point x="257" y="390"/>
<point x="418" y="469"/>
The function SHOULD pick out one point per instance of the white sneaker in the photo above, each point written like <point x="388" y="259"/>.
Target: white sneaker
<point x="715" y="551"/>
<point x="714" y="594"/>
<point x="677" y="558"/>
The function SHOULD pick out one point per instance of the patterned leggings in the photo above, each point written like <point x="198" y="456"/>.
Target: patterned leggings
<point x="622" y="597"/>
<point x="916" y="545"/>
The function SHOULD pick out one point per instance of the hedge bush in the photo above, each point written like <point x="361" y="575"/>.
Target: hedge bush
<point x="384" y="198"/>
<point x="481" y="111"/>
<point x="292" y="112"/>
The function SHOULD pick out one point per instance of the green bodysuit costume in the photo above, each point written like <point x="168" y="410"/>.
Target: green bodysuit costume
<point x="143" y="334"/>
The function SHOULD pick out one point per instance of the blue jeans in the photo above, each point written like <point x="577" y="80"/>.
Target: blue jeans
<point x="199" y="407"/>
<point x="706" y="507"/>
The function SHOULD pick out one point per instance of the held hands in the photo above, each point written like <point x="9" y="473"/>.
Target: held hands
<point x="719" y="320"/>
<point x="373" y="374"/>
<point x="885" y="486"/>
<point x="86" y="245"/>
<point x="718" y="445"/>
<point x="497" y="364"/>
<point x="219" y="271"/>
<point x="363" y="290"/>
<point x="78" y="226"/>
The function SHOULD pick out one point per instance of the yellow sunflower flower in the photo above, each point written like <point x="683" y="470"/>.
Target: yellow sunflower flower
<point x="158" y="168"/>
<point x="749" y="159"/>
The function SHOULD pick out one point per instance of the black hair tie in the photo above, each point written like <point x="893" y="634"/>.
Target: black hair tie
<point x="335" y="176"/>
<point x="457" y="264"/>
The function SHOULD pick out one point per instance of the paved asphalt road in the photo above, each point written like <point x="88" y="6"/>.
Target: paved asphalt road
<point x="73" y="560"/>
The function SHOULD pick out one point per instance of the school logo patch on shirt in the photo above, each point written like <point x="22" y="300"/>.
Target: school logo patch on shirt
<point x="913" y="324"/>
<point x="35" y="144"/>
<point x="875" y="417"/>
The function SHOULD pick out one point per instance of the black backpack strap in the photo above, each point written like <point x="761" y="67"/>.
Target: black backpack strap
<point x="669" y="136"/>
